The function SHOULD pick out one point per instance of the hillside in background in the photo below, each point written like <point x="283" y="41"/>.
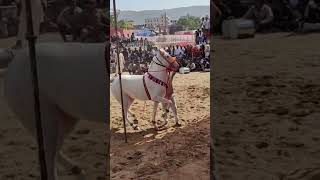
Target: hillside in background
<point x="139" y="16"/>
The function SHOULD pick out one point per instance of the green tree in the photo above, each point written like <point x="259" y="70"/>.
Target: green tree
<point x="190" y="22"/>
<point x="112" y="22"/>
<point x="125" y="24"/>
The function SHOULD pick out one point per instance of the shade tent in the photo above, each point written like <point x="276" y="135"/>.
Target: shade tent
<point x="145" y="33"/>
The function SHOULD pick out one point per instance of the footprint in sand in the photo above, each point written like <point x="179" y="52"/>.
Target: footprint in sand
<point x="304" y="174"/>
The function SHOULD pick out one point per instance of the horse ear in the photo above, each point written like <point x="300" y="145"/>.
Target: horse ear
<point x="161" y="52"/>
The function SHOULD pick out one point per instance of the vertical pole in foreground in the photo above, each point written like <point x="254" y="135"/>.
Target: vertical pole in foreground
<point x="32" y="53"/>
<point x="117" y="40"/>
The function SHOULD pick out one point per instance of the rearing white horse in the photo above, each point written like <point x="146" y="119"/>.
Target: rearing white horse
<point x="150" y="86"/>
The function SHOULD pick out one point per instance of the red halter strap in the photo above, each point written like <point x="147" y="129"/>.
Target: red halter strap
<point x="156" y="80"/>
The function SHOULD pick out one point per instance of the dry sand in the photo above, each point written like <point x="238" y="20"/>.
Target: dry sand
<point x="266" y="107"/>
<point x="18" y="151"/>
<point x="175" y="153"/>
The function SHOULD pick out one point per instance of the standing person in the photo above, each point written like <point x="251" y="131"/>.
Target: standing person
<point x="197" y="36"/>
<point x="38" y="8"/>
<point x="200" y="41"/>
<point x="125" y="54"/>
<point x="132" y="38"/>
<point x="206" y="31"/>
<point x="140" y="52"/>
<point x="122" y="63"/>
<point x="202" y="23"/>
<point x="173" y="51"/>
<point x="141" y="41"/>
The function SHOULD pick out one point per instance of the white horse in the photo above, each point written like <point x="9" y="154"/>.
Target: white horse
<point x="150" y="86"/>
<point x="72" y="87"/>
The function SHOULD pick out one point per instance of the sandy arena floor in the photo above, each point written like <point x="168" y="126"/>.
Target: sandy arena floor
<point x="175" y="153"/>
<point x="266" y="107"/>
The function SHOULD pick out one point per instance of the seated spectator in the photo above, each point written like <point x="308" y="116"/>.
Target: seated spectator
<point x="65" y="20"/>
<point x="3" y="27"/>
<point x="94" y="23"/>
<point x="312" y="12"/>
<point x="261" y="14"/>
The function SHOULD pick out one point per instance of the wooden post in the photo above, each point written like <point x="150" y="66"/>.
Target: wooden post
<point x="33" y="62"/>
<point x="119" y="70"/>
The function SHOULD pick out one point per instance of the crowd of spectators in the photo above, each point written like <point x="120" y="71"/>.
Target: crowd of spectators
<point x="269" y="15"/>
<point x="82" y="20"/>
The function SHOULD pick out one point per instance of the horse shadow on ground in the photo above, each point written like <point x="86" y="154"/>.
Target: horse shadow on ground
<point x="139" y="137"/>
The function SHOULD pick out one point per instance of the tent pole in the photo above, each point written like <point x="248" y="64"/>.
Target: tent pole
<point x="32" y="53"/>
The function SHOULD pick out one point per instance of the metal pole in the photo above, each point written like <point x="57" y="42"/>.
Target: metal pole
<point x="32" y="52"/>
<point x="119" y="72"/>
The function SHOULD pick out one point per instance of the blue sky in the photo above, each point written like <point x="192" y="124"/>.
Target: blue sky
<point x="138" y="5"/>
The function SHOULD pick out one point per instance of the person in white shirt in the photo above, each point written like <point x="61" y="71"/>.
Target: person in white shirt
<point x="121" y="61"/>
<point x="201" y="38"/>
<point x="206" y="30"/>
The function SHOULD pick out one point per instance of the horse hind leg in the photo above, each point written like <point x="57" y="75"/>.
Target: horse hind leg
<point x="50" y="117"/>
<point x="127" y="102"/>
<point x="66" y="125"/>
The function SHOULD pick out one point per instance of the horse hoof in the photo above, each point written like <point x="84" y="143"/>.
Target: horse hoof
<point x="161" y="128"/>
<point x="177" y="125"/>
<point x="77" y="171"/>
<point x="136" y="128"/>
<point x="163" y="125"/>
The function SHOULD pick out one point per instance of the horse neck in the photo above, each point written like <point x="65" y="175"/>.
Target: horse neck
<point x="158" y="71"/>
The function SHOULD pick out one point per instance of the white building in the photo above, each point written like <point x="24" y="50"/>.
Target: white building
<point x="159" y="24"/>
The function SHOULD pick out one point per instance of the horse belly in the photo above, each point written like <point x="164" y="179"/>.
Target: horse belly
<point x="131" y="86"/>
<point x="77" y="85"/>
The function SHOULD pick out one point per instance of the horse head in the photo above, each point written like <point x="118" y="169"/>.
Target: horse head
<point x="167" y="61"/>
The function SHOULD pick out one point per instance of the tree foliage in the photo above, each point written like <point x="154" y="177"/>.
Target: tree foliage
<point x="122" y="23"/>
<point x="125" y="24"/>
<point x="190" y="22"/>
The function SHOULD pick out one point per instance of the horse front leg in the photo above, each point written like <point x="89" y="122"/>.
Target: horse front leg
<point x="174" y="110"/>
<point x="165" y="114"/>
<point x="162" y="100"/>
<point x="153" y="120"/>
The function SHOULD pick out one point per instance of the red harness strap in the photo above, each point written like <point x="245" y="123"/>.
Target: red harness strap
<point x="154" y="79"/>
<point x="145" y="88"/>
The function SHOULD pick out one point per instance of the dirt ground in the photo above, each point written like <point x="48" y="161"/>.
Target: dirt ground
<point x="18" y="151"/>
<point x="266" y="107"/>
<point x="171" y="154"/>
